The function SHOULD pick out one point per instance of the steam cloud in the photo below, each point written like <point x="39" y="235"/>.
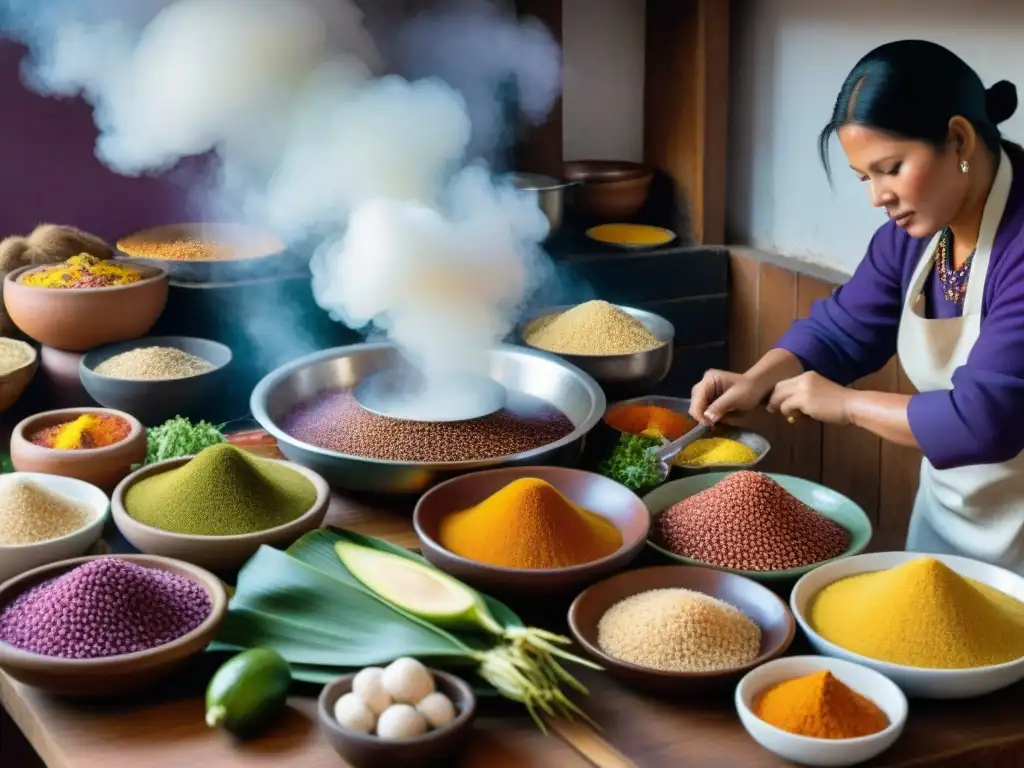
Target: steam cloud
<point x="312" y="136"/>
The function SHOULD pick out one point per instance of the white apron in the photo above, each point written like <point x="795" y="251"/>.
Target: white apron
<point x="976" y="511"/>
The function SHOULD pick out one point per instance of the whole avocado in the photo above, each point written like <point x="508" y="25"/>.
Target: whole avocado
<point x="248" y="692"/>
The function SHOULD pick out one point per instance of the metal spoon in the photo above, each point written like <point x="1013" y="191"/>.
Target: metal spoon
<point x="669" y="451"/>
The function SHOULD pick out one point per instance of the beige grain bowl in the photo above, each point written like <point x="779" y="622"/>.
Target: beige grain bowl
<point x="13" y="383"/>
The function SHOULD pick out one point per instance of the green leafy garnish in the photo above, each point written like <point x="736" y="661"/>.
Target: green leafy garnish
<point x="634" y="462"/>
<point x="180" y="437"/>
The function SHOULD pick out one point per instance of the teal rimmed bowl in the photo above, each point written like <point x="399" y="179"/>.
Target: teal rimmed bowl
<point x="836" y="507"/>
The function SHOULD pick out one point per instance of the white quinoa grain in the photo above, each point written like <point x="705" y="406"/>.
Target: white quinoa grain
<point x="30" y="513"/>
<point x="593" y="328"/>
<point x="678" y="630"/>
<point x="153" y="364"/>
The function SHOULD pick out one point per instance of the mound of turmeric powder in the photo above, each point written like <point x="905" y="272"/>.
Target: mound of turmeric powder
<point x="528" y="524"/>
<point x="921" y="614"/>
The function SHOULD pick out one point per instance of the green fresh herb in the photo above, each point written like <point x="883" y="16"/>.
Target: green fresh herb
<point x="6" y="465"/>
<point x="634" y="462"/>
<point x="180" y="437"/>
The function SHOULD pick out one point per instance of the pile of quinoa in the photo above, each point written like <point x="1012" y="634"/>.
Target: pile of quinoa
<point x="336" y="421"/>
<point x="153" y="364"/>
<point x="749" y="522"/>
<point x="593" y="328"/>
<point x="106" y="607"/>
<point x="678" y="630"/>
<point x="13" y="355"/>
<point x="30" y="513"/>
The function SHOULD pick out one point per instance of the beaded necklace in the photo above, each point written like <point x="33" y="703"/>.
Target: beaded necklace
<point x="953" y="281"/>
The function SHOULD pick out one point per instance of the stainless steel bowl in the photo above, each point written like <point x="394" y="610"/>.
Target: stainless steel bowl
<point x="522" y="371"/>
<point x="620" y="374"/>
<point x="550" y="195"/>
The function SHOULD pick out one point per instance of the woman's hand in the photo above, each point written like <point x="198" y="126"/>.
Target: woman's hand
<point x="722" y="392"/>
<point x="812" y="395"/>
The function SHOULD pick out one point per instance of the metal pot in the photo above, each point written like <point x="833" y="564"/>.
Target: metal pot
<point x="550" y="195"/>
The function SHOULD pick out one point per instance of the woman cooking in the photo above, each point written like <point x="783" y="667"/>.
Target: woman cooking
<point x="941" y="286"/>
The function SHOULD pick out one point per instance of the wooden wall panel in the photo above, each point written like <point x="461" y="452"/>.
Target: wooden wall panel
<point x="539" y="149"/>
<point x="686" y="104"/>
<point x="881" y="477"/>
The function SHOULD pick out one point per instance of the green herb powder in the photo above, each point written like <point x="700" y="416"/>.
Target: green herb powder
<point x="222" y="491"/>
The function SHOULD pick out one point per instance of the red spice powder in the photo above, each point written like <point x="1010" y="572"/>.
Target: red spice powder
<point x="87" y="431"/>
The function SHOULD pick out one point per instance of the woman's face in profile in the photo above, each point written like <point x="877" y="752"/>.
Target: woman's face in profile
<point x="921" y="188"/>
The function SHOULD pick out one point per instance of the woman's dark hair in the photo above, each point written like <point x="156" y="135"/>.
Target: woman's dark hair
<point x="912" y="88"/>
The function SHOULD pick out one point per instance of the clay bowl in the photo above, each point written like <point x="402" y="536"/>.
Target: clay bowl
<point x="758" y="602"/>
<point x="59" y="379"/>
<point x="154" y="402"/>
<point x="19" y="558"/>
<point x="113" y="675"/>
<point x="218" y="553"/>
<point x="611" y="190"/>
<point x="594" y="492"/>
<point x="104" y="467"/>
<point x="14" y="383"/>
<point x="439" y="747"/>
<point x="77" y="319"/>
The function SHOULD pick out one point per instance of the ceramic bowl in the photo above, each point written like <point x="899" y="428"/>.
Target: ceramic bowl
<point x="917" y="682"/>
<point x="14" y="383"/>
<point x="822" y="752"/>
<point x="619" y="374"/>
<point x="759" y="603"/>
<point x="18" y="558"/>
<point x="59" y="379"/>
<point x="218" y="553"/>
<point x="77" y="319"/>
<point x="113" y="675"/>
<point x="598" y="494"/>
<point x="825" y="501"/>
<point x="154" y="402"/>
<point x="104" y="467"/>
<point x="438" y="747"/>
<point x="611" y="190"/>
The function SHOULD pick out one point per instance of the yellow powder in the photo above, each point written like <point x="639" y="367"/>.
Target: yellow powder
<point x="715" y="450"/>
<point x="630" y="234"/>
<point x="921" y="614"/>
<point x="82" y="270"/>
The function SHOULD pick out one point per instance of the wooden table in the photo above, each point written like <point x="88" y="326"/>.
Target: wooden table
<point x="166" y="729"/>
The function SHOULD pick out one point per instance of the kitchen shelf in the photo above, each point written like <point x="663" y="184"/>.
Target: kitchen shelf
<point x="685" y="107"/>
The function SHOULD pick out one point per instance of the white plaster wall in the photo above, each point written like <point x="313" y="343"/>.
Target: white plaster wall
<point x="603" y="76"/>
<point x="789" y="58"/>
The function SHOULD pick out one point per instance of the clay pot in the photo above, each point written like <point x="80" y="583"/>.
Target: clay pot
<point x="103" y="467"/>
<point x="611" y="190"/>
<point x="79" y="319"/>
<point x="13" y="383"/>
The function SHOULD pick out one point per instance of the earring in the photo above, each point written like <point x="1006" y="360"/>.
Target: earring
<point x="964" y="166"/>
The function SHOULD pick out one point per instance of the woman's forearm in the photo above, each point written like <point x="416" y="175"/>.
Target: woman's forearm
<point x="776" y="365"/>
<point x="883" y="414"/>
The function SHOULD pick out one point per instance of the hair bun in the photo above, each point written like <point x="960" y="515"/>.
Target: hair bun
<point x="1001" y="101"/>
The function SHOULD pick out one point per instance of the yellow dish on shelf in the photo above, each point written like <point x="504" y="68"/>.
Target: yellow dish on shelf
<point x="631" y="235"/>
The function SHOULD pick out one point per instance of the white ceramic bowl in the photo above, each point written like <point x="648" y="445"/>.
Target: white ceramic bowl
<point x="15" y="559"/>
<point x="809" y="751"/>
<point x="919" y="682"/>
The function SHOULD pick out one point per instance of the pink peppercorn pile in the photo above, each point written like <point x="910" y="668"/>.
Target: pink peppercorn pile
<point x="106" y="607"/>
<point x="749" y="522"/>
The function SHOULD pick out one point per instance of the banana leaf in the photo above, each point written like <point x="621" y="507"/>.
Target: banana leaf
<point x="325" y="626"/>
<point x="316" y="549"/>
